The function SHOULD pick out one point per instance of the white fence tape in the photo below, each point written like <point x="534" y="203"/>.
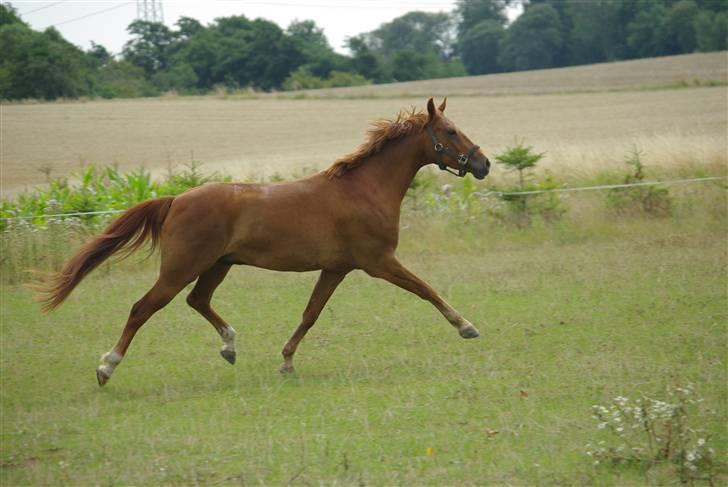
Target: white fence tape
<point x="477" y="193"/>
<point x="601" y="187"/>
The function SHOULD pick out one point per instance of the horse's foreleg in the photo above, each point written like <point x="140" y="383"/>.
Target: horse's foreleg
<point x="158" y="297"/>
<point x="390" y="269"/>
<point x="325" y="286"/>
<point x="199" y="299"/>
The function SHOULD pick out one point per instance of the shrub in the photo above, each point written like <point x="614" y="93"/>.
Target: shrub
<point x="650" y="200"/>
<point x="528" y="198"/>
<point x="303" y="79"/>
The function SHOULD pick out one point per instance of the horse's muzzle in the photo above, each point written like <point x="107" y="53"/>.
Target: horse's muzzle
<point x="480" y="168"/>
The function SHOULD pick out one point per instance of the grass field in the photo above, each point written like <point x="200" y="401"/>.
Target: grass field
<point x="680" y="128"/>
<point x="386" y="392"/>
<point x="572" y="314"/>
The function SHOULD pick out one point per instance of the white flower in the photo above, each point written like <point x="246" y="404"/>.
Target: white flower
<point x="691" y="457"/>
<point x="701" y="441"/>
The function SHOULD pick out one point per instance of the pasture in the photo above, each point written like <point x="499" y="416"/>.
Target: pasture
<point x="386" y="392"/>
<point x="572" y="313"/>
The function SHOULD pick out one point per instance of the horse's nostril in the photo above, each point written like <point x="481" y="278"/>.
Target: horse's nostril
<point x="487" y="163"/>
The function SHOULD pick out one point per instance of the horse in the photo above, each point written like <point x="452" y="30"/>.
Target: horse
<point x="335" y="221"/>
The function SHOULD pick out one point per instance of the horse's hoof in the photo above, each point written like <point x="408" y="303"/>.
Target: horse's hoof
<point x="286" y="369"/>
<point x="469" y="332"/>
<point x="228" y="355"/>
<point x="102" y="377"/>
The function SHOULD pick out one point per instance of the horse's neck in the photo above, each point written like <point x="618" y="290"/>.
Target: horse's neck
<point x="391" y="171"/>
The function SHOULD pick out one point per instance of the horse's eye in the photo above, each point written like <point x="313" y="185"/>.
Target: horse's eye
<point x="450" y="131"/>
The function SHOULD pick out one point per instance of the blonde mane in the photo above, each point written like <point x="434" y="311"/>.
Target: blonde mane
<point x="380" y="132"/>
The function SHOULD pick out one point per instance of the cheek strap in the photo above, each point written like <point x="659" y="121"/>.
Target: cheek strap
<point x="462" y="159"/>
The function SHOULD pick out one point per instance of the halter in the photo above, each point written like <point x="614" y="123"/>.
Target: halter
<point x="462" y="159"/>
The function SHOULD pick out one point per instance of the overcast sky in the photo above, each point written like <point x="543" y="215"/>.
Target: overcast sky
<point x="105" y="22"/>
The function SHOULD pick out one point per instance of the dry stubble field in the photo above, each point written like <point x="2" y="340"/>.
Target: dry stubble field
<point x="677" y="127"/>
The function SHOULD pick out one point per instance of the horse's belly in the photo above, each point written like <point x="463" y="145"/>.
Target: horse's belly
<point x="288" y="256"/>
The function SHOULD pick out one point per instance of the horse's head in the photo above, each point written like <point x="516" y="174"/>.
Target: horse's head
<point x="450" y="147"/>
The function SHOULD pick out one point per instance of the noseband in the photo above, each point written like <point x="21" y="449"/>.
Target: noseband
<point x="462" y="159"/>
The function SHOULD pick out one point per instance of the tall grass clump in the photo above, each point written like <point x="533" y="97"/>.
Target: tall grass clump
<point x="44" y="240"/>
<point x="97" y="189"/>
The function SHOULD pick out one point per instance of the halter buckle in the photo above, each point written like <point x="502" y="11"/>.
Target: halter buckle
<point x="439" y="147"/>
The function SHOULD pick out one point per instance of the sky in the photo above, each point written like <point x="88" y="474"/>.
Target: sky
<point x="105" y="22"/>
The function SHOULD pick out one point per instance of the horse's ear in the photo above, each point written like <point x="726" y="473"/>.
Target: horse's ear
<point x="443" y="105"/>
<point x="431" y="110"/>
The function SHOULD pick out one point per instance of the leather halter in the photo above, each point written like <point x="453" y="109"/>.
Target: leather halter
<point x="463" y="159"/>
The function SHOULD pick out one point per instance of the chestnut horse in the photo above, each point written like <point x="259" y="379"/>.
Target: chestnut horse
<point x="342" y="219"/>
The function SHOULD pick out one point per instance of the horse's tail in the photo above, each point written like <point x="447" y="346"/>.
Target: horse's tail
<point x="128" y="232"/>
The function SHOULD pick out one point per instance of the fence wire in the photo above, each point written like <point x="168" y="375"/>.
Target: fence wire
<point x="477" y="193"/>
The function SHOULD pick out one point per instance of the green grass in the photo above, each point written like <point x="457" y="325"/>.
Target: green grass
<point x="386" y="392"/>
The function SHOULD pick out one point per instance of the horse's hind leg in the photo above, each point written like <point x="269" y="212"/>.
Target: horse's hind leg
<point x="163" y="291"/>
<point x="199" y="299"/>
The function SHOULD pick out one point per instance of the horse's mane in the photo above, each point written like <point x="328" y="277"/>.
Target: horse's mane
<point x="380" y="132"/>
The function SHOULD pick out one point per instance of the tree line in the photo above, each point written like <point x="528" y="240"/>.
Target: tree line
<point x="237" y="52"/>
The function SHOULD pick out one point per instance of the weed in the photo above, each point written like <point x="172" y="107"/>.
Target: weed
<point x="652" y="431"/>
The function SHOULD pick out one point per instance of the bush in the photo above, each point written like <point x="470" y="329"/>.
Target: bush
<point x="528" y="198"/>
<point x="303" y="79"/>
<point x="650" y="200"/>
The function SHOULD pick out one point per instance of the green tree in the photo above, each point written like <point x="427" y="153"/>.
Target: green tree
<point x="711" y="30"/>
<point x="470" y="13"/>
<point x="533" y="40"/>
<point x="8" y="15"/>
<point x="238" y="52"/>
<point x="99" y="53"/>
<point x="596" y="31"/>
<point x="41" y="64"/>
<point x="420" y="31"/>
<point x="365" y="61"/>
<point x="645" y="30"/>
<point x="121" y="79"/>
<point x="188" y="27"/>
<point x="479" y="47"/>
<point x="319" y="58"/>
<point x="151" y="46"/>
<point x="678" y="33"/>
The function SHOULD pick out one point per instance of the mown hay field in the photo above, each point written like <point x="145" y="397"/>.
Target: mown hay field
<point x="582" y="133"/>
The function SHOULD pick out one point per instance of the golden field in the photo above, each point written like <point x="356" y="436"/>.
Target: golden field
<point x="678" y="127"/>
